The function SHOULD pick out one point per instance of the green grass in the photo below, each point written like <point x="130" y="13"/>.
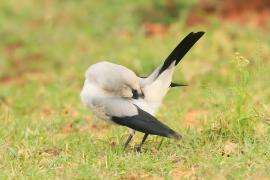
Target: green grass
<point x="46" y="133"/>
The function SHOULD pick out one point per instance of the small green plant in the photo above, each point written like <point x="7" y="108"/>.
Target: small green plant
<point x="234" y="118"/>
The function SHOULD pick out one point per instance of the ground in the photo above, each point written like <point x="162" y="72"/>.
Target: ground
<point x="46" y="133"/>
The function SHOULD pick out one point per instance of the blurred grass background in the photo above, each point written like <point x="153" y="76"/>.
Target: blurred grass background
<point x="45" y="47"/>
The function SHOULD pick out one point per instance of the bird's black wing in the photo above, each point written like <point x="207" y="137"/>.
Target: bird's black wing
<point x="146" y="123"/>
<point x="181" y="49"/>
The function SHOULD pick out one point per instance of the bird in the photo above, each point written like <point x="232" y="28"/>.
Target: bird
<point x="103" y="94"/>
<point x="115" y="94"/>
<point x="158" y="83"/>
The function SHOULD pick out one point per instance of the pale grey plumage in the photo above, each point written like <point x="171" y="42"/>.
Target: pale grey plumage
<point x="155" y="88"/>
<point x="107" y="90"/>
<point x="115" y="106"/>
<point x="113" y="78"/>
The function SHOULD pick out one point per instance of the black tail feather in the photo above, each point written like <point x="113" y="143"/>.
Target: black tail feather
<point x="172" y="85"/>
<point x="177" y="85"/>
<point x="181" y="49"/>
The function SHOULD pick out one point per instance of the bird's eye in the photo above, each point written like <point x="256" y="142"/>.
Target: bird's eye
<point x="135" y="94"/>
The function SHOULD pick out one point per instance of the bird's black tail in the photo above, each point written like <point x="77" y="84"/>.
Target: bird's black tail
<point x="181" y="49"/>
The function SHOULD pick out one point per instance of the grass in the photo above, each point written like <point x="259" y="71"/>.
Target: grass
<point x="46" y="133"/>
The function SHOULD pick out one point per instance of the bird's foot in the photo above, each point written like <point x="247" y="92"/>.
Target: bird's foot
<point x="138" y="149"/>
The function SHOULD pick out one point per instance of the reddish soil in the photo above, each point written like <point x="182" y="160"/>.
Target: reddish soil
<point x="239" y="11"/>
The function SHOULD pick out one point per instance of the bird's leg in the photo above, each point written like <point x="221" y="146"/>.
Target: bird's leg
<point x="143" y="140"/>
<point x="132" y="132"/>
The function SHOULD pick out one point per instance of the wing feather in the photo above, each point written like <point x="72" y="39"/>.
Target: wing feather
<point x="146" y="123"/>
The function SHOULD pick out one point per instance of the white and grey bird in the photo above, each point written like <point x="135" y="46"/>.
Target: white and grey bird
<point x="115" y="94"/>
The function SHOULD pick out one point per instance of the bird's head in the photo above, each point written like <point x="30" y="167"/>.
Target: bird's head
<point x="132" y="89"/>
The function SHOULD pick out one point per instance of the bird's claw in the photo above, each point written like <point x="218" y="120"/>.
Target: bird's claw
<point x="138" y="149"/>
